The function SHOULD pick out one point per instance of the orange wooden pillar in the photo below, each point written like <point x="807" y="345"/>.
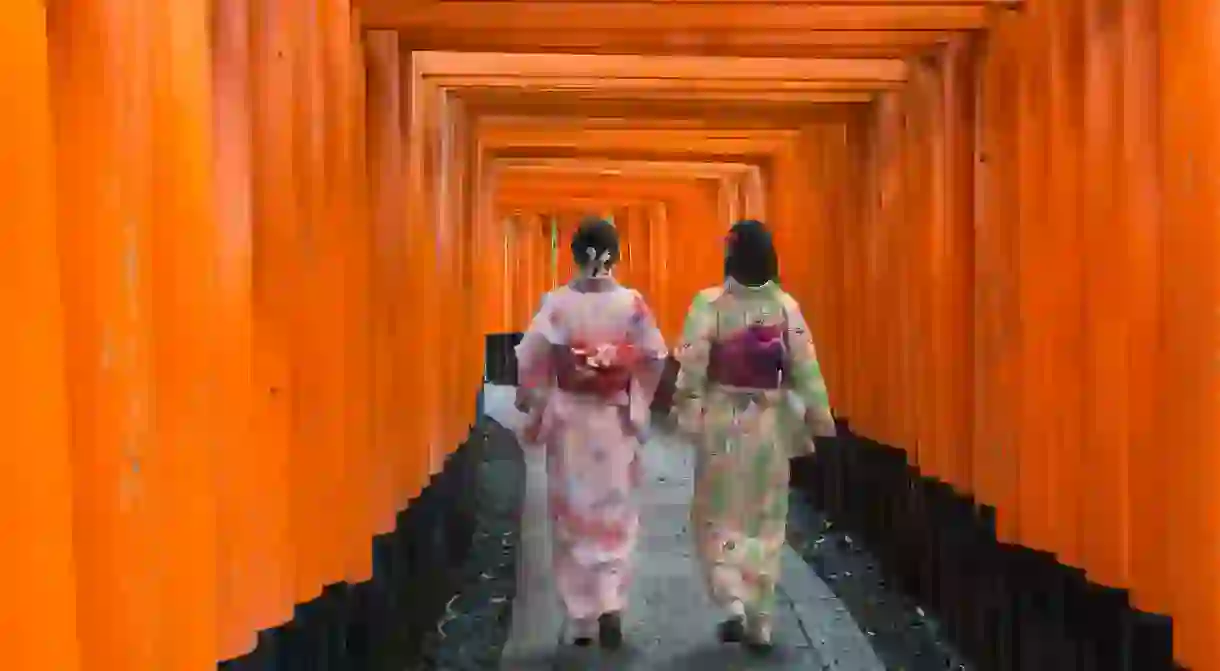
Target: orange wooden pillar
<point x="1105" y="514"/>
<point x="395" y="441"/>
<point x="664" y="307"/>
<point x="634" y="225"/>
<point x="565" y="222"/>
<point x="39" y="615"/>
<point x="352" y="228"/>
<point x="848" y="398"/>
<point x="428" y="245"/>
<point x="692" y="258"/>
<point x="137" y="203"/>
<point x="190" y="390"/>
<point x="923" y="146"/>
<point x="885" y="418"/>
<point x="317" y="351"/>
<point x="997" y="314"/>
<point x="275" y="283"/>
<point x="244" y="601"/>
<point x="102" y="165"/>
<point x="531" y="263"/>
<point x="817" y="252"/>
<point x="1148" y="481"/>
<point x="1189" y="384"/>
<point x="1050" y="182"/>
<point x="953" y="256"/>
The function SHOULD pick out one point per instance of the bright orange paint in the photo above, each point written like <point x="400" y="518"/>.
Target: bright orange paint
<point x="252" y="250"/>
<point x="39" y="617"/>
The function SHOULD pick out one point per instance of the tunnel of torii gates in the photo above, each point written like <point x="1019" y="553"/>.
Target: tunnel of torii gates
<point x="252" y="248"/>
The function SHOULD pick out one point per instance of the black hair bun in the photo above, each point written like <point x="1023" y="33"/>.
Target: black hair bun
<point x="751" y="257"/>
<point x="598" y="234"/>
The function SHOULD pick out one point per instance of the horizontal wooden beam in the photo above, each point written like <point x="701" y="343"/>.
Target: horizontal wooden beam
<point x="720" y="127"/>
<point x="569" y="126"/>
<point x="744" y="4"/>
<point x="742" y="88"/>
<point x="630" y="67"/>
<point x="525" y="199"/>
<point x="606" y="188"/>
<point x="554" y="201"/>
<point x="707" y="103"/>
<point x="506" y="17"/>
<point x="573" y="138"/>
<point x="603" y="166"/>
<point x="742" y="43"/>
<point x="522" y="137"/>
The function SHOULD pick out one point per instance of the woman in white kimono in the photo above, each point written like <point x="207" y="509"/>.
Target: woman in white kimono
<point x="588" y="367"/>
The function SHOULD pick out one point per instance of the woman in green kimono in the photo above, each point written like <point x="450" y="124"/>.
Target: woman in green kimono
<point x="750" y="394"/>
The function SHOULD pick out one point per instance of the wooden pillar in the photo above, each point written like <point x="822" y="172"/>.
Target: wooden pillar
<point x="189" y="407"/>
<point x="1190" y="381"/>
<point x="394" y="441"/>
<point x="134" y="107"/>
<point x="659" y="269"/>
<point x="350" y="229"/>
<point x="1141" y="189"/>
<point x="954" y="252"/>
<point x="104" y="121"/>
<point x="244" y="600"/>
<point x="311" y="313"/>
<point x="39" y="613"/>
<point x="928" y="283"/>
<point x="427" y="244"/>
<point x="1107" y="284"/>
<point x="997" y="315"/>
<point x="888" y="419"/>
<point x="275" y="281"/>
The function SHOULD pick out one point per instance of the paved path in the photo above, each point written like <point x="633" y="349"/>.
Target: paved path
<point x="670" y="624"/>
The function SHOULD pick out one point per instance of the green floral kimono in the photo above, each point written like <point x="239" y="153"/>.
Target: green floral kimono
<point x="745" y="437"/>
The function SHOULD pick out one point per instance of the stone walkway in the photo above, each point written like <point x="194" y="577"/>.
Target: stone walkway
<point x="671" y="623"/>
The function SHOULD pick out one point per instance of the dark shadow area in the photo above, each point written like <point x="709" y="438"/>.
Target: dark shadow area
<point x="1005" y="607"/>
<point x="475" y="625"/>
<point x="901" y="633"/>
<point x="719" y="657"/>
<point x="501" y="358"/>
<point x="443" y="581"/>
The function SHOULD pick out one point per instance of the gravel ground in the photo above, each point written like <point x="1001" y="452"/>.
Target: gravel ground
<point x="472" y="635"/>
<point x="475" y="627"/>
<point x="904" y="637"/>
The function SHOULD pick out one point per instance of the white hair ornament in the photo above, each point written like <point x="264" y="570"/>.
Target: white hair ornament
<point x="597" y="263"/>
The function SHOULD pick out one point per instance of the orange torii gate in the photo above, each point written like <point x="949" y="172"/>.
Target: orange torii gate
<point x="1023" y="279"/>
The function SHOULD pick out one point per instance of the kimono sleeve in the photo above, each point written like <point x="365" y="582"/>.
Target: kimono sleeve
<point x="803" y="369"/>
<point x="692" y="356"/>
<point x="534" y="351"/>
<point x="645" y="335"/>
<point x="650" y="344"/>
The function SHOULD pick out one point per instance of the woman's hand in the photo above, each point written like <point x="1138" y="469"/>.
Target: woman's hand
<point x="630" y="428"/>
<point x="820" y="422"/>
<point x="522" y="400"/>
<point x="688" y="419"/>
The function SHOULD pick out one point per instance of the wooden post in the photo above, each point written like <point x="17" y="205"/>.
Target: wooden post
<point x="39" y="617"/>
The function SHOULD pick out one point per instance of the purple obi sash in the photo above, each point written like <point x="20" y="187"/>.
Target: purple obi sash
<point x="752" y="358"/>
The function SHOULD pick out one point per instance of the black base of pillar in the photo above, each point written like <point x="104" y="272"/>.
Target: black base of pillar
<point x="381" y="624"/>
<point x="1006" y="607"/>
<point x="501" y="361"/>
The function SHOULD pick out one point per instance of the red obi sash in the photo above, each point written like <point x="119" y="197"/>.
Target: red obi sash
<point x="595" y="370"/>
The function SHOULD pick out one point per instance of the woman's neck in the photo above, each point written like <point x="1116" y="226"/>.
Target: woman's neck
<point x="590" y="284"/>
<point x="734" y="284"/>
